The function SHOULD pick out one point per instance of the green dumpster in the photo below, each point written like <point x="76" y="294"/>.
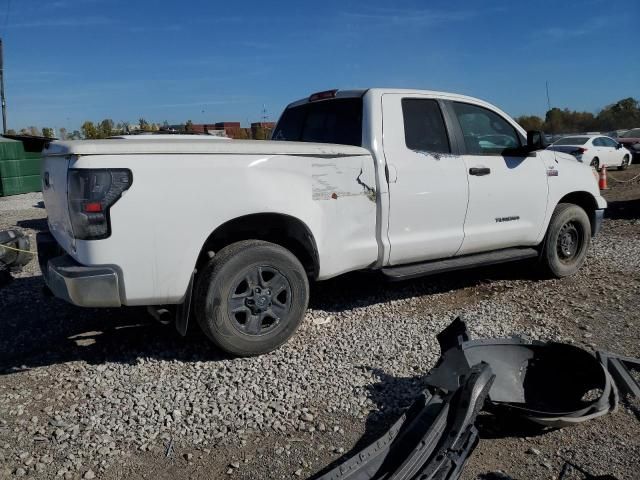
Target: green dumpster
<point x="19" y="170"/>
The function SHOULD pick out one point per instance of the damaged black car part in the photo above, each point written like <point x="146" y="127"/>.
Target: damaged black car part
<point x="550" y="384"/>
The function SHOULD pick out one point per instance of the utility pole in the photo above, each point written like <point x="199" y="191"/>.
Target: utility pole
<point x="4" y="103"/>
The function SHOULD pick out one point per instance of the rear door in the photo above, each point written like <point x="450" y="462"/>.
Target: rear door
<point x="613" y="154"/>
<point x="601" y="151"/>
<point x="428" y="187"/>
<point x="507" y="193"/>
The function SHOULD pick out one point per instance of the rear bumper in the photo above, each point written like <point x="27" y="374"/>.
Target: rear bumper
<point x="77" y="284"/>
<point x="598" y="218"/>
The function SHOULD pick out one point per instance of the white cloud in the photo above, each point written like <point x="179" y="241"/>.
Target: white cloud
<point x="63" y="22"/>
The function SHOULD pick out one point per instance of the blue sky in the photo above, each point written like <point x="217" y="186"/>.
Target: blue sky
<point x="67" y="61"/>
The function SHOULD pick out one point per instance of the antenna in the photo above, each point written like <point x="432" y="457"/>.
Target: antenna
<point x="549" y="108"/>
<point x="2" y="99"/>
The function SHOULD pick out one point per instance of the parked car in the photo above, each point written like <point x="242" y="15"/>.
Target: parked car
<point x="234" y="231"/>
<point x="594" y="150"/>
<point x="631" y="140"/>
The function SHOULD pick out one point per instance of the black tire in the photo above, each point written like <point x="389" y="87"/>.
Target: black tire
<point x="259" y="282"/>
<point x="567" y="241"/>
<point x="625" y="163"/>
<point x="595" y="163"/>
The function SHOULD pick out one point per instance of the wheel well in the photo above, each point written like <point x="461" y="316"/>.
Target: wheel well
<point x="584" y="200"/>
<point x="283" y="230"/>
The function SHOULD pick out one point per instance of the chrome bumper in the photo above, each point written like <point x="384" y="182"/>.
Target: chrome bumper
<point x="75" y="283"/>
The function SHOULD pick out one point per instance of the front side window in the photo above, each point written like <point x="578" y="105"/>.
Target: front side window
<point x="485" y="132"/>
<point x="424" y="127"/>
<point x="608" y="142"/>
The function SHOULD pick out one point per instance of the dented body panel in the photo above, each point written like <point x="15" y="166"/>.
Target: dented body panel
<point x="177" y="200"/>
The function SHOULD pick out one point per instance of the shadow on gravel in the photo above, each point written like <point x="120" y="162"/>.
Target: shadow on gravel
<point x="38" y="224"/>
<point x="360" y="289"/>
<point x="623" y="209"/>
<point x="36" y="330"/>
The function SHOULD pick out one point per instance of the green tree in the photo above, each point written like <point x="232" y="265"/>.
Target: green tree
<point x="188" y="127"/>
<point x="11" y="131"/>
<point x="35" y="131"/>
<point x="62" y="133"/>
<point x="105" y="129"/>
<point x="75" y="135"/>
<point x="144" y="125"/>
<point x="89" y="130"/>
<point x="47" y="132"/>
<point x="623" y="114"/>
<point x="530" y="122"/>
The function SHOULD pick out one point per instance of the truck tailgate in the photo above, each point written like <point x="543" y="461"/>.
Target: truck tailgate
<point x="54" y="191"/>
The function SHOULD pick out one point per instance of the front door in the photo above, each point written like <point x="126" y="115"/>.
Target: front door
<point x="507" y="193"/>
<point x="428" y="189"/>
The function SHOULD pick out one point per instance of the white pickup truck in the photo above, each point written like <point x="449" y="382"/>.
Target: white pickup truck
<point x="406" y="182"/>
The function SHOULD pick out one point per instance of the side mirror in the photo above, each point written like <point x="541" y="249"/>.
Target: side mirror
<point x="619" y="146"/>
<point x="536" y="140"/>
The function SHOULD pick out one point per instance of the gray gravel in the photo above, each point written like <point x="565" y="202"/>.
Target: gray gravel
<point x="84" y="392"/>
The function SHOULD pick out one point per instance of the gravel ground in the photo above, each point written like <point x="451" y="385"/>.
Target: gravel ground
<point x="88" y="393"/>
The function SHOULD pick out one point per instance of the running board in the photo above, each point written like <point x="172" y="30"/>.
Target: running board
<point x="404" y="272"/>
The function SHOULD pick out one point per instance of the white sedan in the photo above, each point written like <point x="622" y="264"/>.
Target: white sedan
<point x="595" y="150"/>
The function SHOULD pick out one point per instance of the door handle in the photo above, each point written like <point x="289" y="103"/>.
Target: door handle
<point x="479" y="171"/>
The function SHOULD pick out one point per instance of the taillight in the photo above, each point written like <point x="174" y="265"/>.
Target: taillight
<point x="91" y="192"/>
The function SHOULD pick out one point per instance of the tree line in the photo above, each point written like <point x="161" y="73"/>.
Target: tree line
<point x="622" y="115"/>
<point x="107" y="128"/>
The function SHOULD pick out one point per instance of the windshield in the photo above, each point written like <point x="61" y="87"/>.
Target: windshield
<point x="572" y="141"/>
<point x="634" y="133"/>
<point x="329" y="121"/>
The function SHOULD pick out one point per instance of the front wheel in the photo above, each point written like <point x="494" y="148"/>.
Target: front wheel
<point x="567" y="241"/>
<point x="625" y="163"/>
<point x="251" y="297"/>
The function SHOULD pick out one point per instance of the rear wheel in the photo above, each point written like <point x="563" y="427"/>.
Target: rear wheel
<point x="625" y="163"/>
<point x="595" y="163"/>
<point x="567" y="241"/>
<point x="251" y="297"/>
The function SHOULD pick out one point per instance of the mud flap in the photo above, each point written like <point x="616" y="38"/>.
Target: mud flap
<point x="183" y="309"/>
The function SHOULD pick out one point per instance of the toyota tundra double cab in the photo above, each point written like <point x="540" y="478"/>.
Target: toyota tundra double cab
<point x="406" y="182"/>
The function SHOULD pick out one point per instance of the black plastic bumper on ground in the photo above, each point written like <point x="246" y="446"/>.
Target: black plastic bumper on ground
<point x="432" y="440"/>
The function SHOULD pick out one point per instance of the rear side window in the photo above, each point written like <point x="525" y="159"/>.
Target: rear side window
<point x="485" y="132"/>
<point x="424" y="128"/>
<point x="572" y="141"/>
<point x="329" y="121"/>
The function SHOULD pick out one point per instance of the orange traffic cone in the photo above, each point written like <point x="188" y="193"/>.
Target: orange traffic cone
<point x="602" y="181"/>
